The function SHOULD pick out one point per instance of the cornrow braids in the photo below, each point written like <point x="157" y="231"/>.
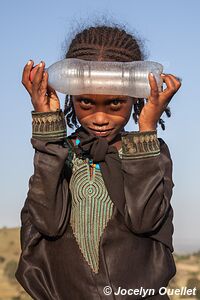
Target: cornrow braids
<point x="69" y="112"/>
<point x="98" y="42"/>
<point x="105" y="43"/>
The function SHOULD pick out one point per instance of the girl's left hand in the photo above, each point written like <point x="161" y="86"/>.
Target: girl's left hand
<point x="157" y="101"/>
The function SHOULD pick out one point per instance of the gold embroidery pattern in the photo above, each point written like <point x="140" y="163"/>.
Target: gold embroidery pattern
<point x="91" y="210"/>
<point x="140" y="144"/>
<point x="48" y="125"/>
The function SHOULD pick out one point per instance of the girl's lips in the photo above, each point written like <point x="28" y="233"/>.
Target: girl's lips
<point x="101" y="133"/>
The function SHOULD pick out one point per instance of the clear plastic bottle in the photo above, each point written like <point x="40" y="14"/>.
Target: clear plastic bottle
<point x="75" y="77"/>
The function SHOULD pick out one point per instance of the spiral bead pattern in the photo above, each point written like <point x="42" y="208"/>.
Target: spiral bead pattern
<point x="91" y="210"/>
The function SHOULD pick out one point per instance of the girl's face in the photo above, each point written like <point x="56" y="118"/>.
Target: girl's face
<point x="103" y="115"/>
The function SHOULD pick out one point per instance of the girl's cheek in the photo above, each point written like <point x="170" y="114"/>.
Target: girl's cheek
<point x="80" y="112"/>
<point x="115" y="116"/>
<point x="84" y="116"/>
<point x="115" y="121"/>
<point x="125" y="114"/>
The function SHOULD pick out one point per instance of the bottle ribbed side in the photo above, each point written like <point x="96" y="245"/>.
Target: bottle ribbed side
<point x="75" y="77"/>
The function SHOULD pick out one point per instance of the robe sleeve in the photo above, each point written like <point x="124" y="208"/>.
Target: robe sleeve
<point x="47" y="206"/>
<point x="148" y="184"/>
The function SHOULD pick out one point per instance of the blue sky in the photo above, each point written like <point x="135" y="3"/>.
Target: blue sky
<point x="38" y="30"/>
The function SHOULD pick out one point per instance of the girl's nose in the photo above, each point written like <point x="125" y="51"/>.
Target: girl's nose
<point x="100" y="119"/>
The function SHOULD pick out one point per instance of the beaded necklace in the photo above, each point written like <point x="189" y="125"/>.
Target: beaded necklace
<point x="90" y="161"/>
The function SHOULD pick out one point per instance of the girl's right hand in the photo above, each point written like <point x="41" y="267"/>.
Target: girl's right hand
<point x="43" y="97"/>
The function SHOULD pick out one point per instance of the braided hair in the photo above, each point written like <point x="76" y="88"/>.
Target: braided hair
<point x="105" y="43"/>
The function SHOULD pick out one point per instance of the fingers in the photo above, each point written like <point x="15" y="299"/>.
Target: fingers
<point x="172" y="83"/>
<point x="32" y="85"/>
<point x="158" y="101"/>
<point x="26" y="76"/>
<point x="33" y="72"/>
<point x="40" y="81"/>
<point x="43" y="84"/>
<point x="38" y="75"/>
<point x="35" y="80"/>
<point x="154" y="93"/>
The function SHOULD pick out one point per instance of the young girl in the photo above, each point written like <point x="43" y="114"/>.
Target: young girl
<point x="97" y="221"/>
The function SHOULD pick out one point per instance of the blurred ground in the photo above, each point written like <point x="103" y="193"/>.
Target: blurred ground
<point x="188" y="269"/>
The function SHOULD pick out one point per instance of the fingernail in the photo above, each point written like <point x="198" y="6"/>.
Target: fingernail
<point x="29" y="62"/>
<point x="151" y="74"/>
<point x="40" y="65"/>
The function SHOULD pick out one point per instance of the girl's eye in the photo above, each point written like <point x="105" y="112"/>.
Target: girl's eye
<point x="115" y="104"/>
<point x="85" y="101"/>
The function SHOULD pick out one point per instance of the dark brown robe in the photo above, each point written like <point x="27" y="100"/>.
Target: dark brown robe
<point x="136" y="246"/>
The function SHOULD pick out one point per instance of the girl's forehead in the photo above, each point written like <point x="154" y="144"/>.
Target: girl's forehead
<point x="98" y="97"/>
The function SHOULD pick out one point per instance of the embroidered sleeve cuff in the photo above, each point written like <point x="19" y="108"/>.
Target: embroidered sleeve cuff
<point x="48" y="125"/>
<point x="140" y="144"/>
